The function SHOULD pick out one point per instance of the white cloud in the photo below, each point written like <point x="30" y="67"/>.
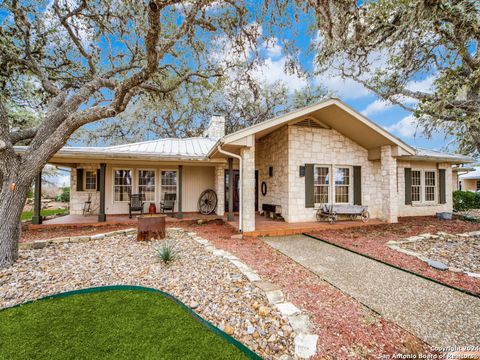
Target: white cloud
<point x="274" y="70"/>
<point x="426" y="85"/>
<point x="273" y="48"/>
<point x="406" y="127"/>
<point x="378" y="106"/>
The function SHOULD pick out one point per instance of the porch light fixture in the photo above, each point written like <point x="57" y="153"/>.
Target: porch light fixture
<point x="301" y="171"/>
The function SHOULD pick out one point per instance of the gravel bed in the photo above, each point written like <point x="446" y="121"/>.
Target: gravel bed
<point x="211" y="285"/>
<point x="346" y="329"/>
<point x="460" y="252"/>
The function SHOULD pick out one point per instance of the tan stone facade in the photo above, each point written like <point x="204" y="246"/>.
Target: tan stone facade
<point x="248" y="188"/>
<point x="219" y="187"/>
<point x="469" y="184"/>
<point x="383" y="180"/>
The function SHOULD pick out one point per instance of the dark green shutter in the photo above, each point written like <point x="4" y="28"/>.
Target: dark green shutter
<point x="79" y="179"/>
<point x="357" y="185"/>
<point x="408" y="186"/>
<point x="309" y="199"/>
<point x="442" y="186"/>
<point x="98" y="180"/>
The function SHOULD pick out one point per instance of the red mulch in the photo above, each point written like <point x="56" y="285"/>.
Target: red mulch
<point x="50" y="232"/>
<point x="371" y="241"/>
<point x="345" y="327"/>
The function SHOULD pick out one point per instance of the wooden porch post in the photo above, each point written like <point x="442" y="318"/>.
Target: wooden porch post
<point x="37" y="205"/>
<point x="101" y="211"/>
<point x="230" y="216"/>
<point x="179" y="196"/>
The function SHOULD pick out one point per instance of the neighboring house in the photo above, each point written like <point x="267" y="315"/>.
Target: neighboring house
<point x="469" y="181"/>
<point x="323" y="153"/>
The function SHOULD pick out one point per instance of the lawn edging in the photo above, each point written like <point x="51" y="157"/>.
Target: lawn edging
<point x="249" y="353"/>
<point x="305" y="341"/>
<point x="394" y="266"/>
<point x="40" y="244"/>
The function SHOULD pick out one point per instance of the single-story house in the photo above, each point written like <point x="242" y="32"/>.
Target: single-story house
<point x="469" y="181"/>
<point x="325" y="153"/>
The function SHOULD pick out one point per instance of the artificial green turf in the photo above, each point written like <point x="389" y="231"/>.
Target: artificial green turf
<point x="108" y="325"/>
<point x="27" y="215"/>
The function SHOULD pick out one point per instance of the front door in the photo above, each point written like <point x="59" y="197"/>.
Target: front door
<point x="236" y="194"/>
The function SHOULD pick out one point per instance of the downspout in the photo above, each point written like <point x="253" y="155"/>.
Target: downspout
<point x="240" y="217"/>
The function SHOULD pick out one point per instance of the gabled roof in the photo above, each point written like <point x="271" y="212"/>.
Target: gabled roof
<point x="332" y="113"/>
<point x="471" y="175"/>
<point x="427" y="154"/>
<point x="195" y="148"/>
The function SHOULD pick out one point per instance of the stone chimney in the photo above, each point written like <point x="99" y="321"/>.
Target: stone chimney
<point x="216" y="128"/>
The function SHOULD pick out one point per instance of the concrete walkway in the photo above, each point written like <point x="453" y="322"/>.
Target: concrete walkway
<point x="438" y="315"/>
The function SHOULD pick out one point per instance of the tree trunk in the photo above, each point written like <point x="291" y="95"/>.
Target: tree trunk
<point x="12" y="201"/>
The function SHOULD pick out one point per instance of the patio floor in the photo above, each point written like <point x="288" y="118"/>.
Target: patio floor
<point x="92" y="220"/>
<point x="268" y="227"/>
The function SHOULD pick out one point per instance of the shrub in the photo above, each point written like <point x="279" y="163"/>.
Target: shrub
<point x="167" y="252"/>
<point x="465" y="200"/>
<point x="64" y="195"/>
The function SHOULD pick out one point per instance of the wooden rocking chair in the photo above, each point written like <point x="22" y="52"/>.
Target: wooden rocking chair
<point x="136" y="204"/>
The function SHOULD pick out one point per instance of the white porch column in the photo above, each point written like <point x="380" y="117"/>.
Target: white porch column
<point x="248" y="187"/>
<point x="389" y="185"/>
<point x="220" y="189"/>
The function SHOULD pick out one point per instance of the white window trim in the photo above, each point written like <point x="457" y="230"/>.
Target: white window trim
<point x="156" y="182"/>
<point x="85" y="180"/>
<point x="132" y="172"/>
<point x="331" y="185"/>
<point x="175" y="170"/>
<point x="350" y="184"/>
<point x="422" y="188"/>
<point x="316" y="205"/>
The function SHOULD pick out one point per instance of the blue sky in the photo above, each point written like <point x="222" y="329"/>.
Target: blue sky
<point x="398" y="121"/>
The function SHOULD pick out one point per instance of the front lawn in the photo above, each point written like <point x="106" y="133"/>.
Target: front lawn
<point x="27" y="215"/>
<point x="125" y="324"/>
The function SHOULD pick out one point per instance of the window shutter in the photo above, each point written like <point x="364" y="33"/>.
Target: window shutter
<point x="442" y="186"/>
<point x="408" y="186"/>
<point x="98" y="179"/>
<point x="309" y="200"/>
<point x="357" y="185"/>
<point x="79" y="179"/>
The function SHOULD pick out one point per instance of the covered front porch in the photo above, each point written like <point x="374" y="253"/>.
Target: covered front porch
<point x="265" y="226"/>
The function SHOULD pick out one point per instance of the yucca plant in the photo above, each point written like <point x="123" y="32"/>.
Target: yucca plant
<point x="167" y="252"/>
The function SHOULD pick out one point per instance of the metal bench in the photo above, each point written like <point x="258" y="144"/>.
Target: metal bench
<point x="332" y="212"/>
<point x="272" y="211"/>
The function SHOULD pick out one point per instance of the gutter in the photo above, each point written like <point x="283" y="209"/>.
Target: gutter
<point x="240" y="213"/>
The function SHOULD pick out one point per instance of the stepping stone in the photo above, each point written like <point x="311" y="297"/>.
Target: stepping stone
<point x="267" y="286"/>
<point x="305" y="345"/>
<point x="288" y="309"/>
<point x="437" y="265"/>
<point x="275" y="297"/>
<point x="251" y="276"/>
<point x="201" y="241"/>
<point x="300" y="323"/>
<point x="98" y="237"/>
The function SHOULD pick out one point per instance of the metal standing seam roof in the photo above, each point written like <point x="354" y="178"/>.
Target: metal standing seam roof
<point x="471" y="175"/>
<point x="193" y="148"/>
<point x="435" y="154"/>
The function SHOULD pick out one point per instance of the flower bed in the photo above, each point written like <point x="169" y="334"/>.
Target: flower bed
<point x="372" y="241"/>
<point x="345" y="328"/>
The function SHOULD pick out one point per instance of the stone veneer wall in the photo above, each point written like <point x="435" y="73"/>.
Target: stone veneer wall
<point x="78" y="198"/>
<point x="272" y="150"/>
<point x="219" y="187"/>
<point x="426" y="209"/>
<point x="327" y="146"/>
<point x="389" y="190"/>
<point x="248" y="186"/>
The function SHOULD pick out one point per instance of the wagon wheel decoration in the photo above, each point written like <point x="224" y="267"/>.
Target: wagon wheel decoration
<point x="207" y="202"/>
